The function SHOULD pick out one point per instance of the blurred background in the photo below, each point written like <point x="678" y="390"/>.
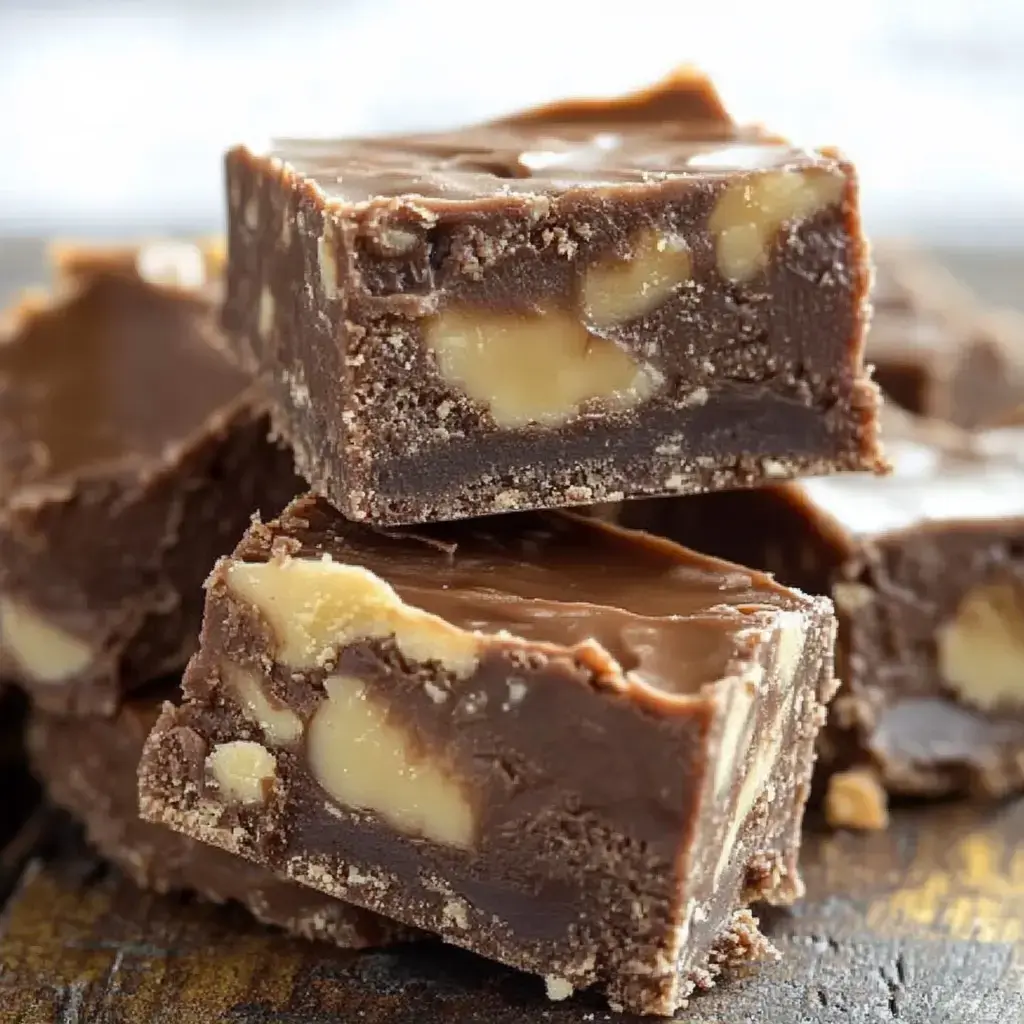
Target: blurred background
<point x="114" y="113"/>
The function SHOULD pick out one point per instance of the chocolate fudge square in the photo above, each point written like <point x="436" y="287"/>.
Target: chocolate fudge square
<point x="89" y="766"/>
<point x="926" y="568"/>
<point x="937" y="350"/>
<point x="578" y="750"/>
<point x="585" y="302"/>
<point x="131" y="450"/>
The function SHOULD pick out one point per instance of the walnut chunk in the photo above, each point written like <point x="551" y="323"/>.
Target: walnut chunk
<point x="251" y="214"/>
<point x="791" y="636"/>
<point x="366" y="762"/>
<point x="280" y="725"/>
<point x="617" y="291"/>
<point x="44" y="652"/>
<point x="748" y="215"/>
<point x="243" y="770"/>
<point x="855" y="799"/>
<point x="980" y="650"/>
<point x="316" y="607"/>
<point x="534" y="368"/>
<point x="178" y="264"/>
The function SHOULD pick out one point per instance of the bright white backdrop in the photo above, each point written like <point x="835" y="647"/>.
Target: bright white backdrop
<point x="113" y="113"/>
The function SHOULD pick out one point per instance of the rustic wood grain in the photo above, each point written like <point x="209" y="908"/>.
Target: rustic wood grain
<point x="924" y="923"/>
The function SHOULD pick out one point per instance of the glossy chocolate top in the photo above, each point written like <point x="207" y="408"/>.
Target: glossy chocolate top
<point x="940" y="474"/>
<point x="115" y="371"/>
<point x="676" y="128"/>
<point x="677" y="618"/>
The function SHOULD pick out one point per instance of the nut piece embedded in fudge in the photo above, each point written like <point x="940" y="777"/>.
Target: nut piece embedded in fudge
<point x="89" y="766"/>
<point x="580" y="303"/>
<point x="927" y="574"/>
<point x="572" y="748"/>
<point x="131" y="453"/>
<point x="855" y="799"/>
<point x="936" y="350"/>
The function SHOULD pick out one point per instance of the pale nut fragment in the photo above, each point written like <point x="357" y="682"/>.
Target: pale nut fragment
<point x="616" y="291"/>
<point x="852" y="597"/>
<point x="243" y="770"/>
<point x="790" y="639"/>
<point x="557" y="988"/>
<point x="981" y="649"/>
<point x="534" y="367"/>
<point x="280" y="726"/>
<point x="177" y="264"/>
<point x="734" y="738"/>
<point x="365" y="762"/>
<point x="327" y="258"/>
<point x="265" y="323"/>
<point x="251" y="214"/>
<point x="44" y="652"/>
<point x="315" y="607"/>
<point x="749" y="213"/>
<point x="768" y="745"/>
<point x="855" y="799"/>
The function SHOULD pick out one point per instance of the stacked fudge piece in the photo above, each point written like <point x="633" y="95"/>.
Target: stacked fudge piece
<point x="427" y="689"/>
<point x="132" y="453"/>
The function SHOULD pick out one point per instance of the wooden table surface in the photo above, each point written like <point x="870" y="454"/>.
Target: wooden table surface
<point x="922" y="923"/>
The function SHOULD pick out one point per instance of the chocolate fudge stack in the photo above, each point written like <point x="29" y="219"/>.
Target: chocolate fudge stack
<point x="469" y="681"/>
<point x="577" y="749"/>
